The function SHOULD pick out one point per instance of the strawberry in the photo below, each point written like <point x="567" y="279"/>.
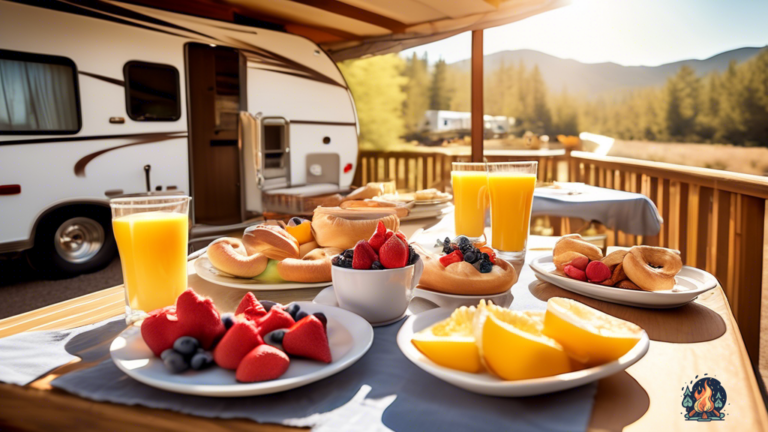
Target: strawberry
<point x="402" y="236"/>
<point x="161" y="329"/>
<point x="263" y="363"/>
<point x="597" y="272"/>
<point x="453" y="257"/>
<point x="236" y="343"/>
<point x="394" y="253"/>
<point x="490" y="252"/>
<point x="388" y="235"/>
<point x="275" y="319"/>
<point x="250" y="308"/>
<point x="364" y="256"/>
<point x="378" y="238"/>
<point x="199" y="318"/>
<point x="307" y="338"/>
<point x="575" y="273"/>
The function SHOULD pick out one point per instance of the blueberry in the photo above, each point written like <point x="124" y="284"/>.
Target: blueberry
<point x="321" y="317"/>
<point x="301" y="315"/>
<point x="347" y="263"/>
<point x="462" y="240"/>
<point x="486" y="267"/>
<point x="277" y="336"/>
<point x="477" y="264"/>
<point x="470" y="257"/>
<point x="447" y="241"/>
<point x="201" y="360"/>
<point x="174" y="361"/>
<point x="485" y="257"/>
<point x="447" y="249"/>
<point x="228" y="320"/>
<point x="266" y="304"/>
<point x="377" y="266"/>
<point x="296" y="220"/>
<point x="292" y="310"/>
<point x="186" y="346"/>
<point x="335" y="260"/>
<point x="349" y="253"/>
<point x="413" y="258"/>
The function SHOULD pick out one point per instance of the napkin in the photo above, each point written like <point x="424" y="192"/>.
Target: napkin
<point x="25" y="357"/>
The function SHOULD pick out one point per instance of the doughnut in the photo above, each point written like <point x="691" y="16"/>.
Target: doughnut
<point x="652" y="268"/>
<point x="564" y="258"/>
<point x="314" y="267"/>
<point x="270" y="240"/>
<point x="343" y="228"/>
<point x="574" y="243"/>
<point x="228" y="255"/>
<point x="463" y="278"/>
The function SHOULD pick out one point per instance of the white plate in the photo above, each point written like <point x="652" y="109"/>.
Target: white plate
<point x="487" y="384"/>
<point x="691" y="282"/>
<point x="454" y="301"/>
<point x="207" y="271"/>
<point x="349" y="335"/>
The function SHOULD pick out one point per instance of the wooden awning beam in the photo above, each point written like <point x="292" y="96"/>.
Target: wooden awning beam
<point x="477" y="96"/>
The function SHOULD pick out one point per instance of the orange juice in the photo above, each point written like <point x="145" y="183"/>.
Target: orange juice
<point x="153" y="252"/>
<point x="469" y="189"/>
<point x="511" y="199"/>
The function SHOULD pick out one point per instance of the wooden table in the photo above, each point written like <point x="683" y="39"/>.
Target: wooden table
<point x="685" y="342"/>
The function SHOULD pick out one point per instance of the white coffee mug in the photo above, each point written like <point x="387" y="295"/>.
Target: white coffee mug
<point x="376" y="295"/>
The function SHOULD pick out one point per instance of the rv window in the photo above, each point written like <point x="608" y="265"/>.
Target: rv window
<point x="152" y="91"/>
<point x="38" y="94"/>
<point x="273" y="138"/>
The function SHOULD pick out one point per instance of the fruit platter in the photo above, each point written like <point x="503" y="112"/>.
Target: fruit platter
<point x="495" y="351"/>
<point x="641" y="276"/>
<point x="261" y="348"/>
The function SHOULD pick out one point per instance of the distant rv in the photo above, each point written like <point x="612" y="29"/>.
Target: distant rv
<point x="442" y="122"/>
<point x="105" y="99"/>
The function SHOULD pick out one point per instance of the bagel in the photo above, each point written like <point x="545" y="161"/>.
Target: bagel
<point x="270" y="240"/>
<point x="307" y="248"/>
<point x="463" y="277"/>
<point x="563" y="259"/>
<point x="314" y="267"/>
<point x="228" y="255"/>
<point x="615" y="258"/>
<point x="652" y="268"/>
<point x="342" y="229"/>
<point x="574" y="243"/>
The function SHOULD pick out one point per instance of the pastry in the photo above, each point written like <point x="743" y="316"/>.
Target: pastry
<point x="652" y="268"/>
<point x="574" y="243"/>
<point x="462" y="277"/>
<point x="228" y="255"/>
<point x="313" y="267"/>
<point x="343" y="228"/>
<point x="270" y="240"/>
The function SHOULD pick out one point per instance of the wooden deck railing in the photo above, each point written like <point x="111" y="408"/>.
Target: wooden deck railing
<point x="716" y="219"/>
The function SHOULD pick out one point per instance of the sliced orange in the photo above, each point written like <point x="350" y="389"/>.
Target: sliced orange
<point x="450" y="342"/>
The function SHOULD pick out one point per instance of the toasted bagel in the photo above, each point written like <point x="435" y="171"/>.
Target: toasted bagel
<point x="229" y="255"/>
<point x="315" y="266"/>
<point x="343" y="228"/>
<point x="270" y="240"/>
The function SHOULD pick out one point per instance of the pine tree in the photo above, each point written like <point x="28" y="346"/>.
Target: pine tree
<point x="683" y="93"/>
<point x="416" y="91"/>
<point x="687" y="398"/>
<point x="440" y="97"/>
<point x="540" y="116"/>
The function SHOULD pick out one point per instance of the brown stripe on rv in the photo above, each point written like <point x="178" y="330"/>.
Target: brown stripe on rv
<point x="114" y="81"/>
<point x="150" y="138"/>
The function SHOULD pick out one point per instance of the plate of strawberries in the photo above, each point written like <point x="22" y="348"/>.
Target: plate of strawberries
<point x="261" y="348"/>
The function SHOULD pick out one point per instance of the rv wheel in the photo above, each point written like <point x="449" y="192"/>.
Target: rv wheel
<point x="72" y="241"/>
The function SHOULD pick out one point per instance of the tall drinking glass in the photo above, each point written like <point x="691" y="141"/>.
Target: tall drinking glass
<point x="470" y="198"/>
<point x="510" y="185"/>
<point x="151" y="235"/>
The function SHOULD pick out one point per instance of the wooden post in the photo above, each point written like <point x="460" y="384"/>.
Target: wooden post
<point x="477" y="96"/>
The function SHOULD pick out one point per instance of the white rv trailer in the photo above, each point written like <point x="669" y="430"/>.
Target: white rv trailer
<point x="438" y="121"/>
<point x="100" y="99"/>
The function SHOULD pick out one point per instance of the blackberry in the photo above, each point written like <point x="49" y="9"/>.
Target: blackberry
<point x="462" y="240"/>
<point x="335" y="260"/>
<point x="377" y="266"/>
<point x="485" y="257"/>
<point x="470" y="257"/>
<point x="349" y="253"/>
<point x="347" y="263"/>
<point x="447" y="249"/>
<point x="413" y="257"/>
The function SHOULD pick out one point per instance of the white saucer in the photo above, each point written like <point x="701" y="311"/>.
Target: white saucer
<point x="349" y="336"/>
<point x="487" y="384"/>
<point x="207" y="271"/>
<point x="691" y="282"/>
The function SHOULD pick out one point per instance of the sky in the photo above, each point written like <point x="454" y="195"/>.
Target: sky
<point x="627" y="32"/>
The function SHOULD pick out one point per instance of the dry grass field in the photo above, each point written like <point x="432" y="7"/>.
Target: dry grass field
<point x="747" y="160"/>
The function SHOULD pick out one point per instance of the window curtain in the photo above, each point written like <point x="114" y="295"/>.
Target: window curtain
<point x="36" y="96"/>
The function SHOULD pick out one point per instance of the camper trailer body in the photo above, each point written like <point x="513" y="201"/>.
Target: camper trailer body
<point x="103" y="99"/>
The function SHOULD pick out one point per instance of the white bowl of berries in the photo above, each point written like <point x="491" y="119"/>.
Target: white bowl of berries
<point x="376" y="279"/>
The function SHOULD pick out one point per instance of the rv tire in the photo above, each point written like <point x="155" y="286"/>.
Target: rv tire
<point x="73" y="240"/>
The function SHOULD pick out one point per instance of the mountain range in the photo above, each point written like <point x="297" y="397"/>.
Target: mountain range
<point x="597" y="78"/>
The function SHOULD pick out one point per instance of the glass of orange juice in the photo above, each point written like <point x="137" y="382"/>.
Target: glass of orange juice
<point x="510" y="185"/>
<point x="469" y="198"/>
<point x="152" y="235"/>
